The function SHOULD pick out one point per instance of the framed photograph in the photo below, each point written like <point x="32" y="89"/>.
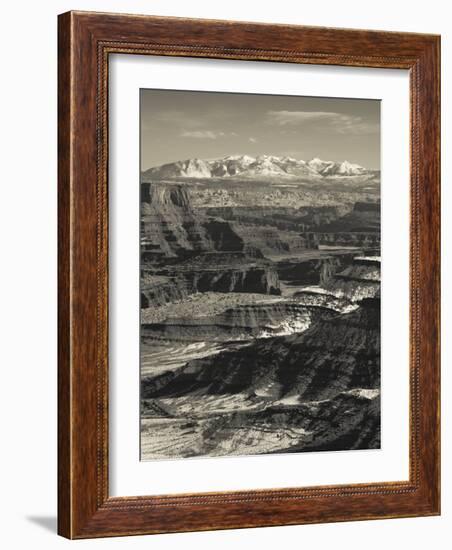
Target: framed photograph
<point x="248" y="275"/>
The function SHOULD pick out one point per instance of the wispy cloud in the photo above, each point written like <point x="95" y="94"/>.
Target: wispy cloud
<point x="338" y="122"/>
<point x="206" y="134"/>
<point x="252" y="139"/>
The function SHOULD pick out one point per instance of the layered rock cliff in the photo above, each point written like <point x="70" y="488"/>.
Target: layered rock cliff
<point x="170" y="227"/>
<point x="357" y="281"/>
<point x="221" y="272"/>
<point x="290" y="219"/>
<point x="337" y="354"/>
<point x="245" y="322"/>
<point x="312" y="271"/>
<point x="362" y="240"/>
<point x="158" y="290"/>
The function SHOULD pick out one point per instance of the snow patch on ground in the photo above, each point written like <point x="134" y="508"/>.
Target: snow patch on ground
<point x="364" y="392"/>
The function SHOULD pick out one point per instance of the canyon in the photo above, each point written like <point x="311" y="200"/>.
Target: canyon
<point x="260" y="307"/>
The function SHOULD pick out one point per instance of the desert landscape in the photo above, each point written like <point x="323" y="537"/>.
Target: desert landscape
<point x="260" y="306"/>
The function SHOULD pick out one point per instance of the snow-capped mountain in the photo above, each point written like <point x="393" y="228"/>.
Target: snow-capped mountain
<point x="191" y="168"/>
<point x="266" y="166"/>
<point x="332" y="168"/>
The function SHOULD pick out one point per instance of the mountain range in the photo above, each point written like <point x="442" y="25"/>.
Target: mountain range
<point x="266" y="166"/>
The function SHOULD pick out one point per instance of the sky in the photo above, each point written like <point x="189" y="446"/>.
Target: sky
<point x="178" y="125"/>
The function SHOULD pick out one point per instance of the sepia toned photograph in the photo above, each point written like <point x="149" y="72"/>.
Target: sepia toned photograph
<point x="259" y="274"/>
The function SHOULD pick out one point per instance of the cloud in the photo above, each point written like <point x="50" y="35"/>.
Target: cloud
<point x="338" y="122"/>
<point x="252" y="139"/>
<point x="206" y="134"/>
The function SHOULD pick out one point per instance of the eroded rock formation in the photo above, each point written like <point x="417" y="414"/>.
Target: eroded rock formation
<point x="321" y="385"/>
<point x="261" y="323"/>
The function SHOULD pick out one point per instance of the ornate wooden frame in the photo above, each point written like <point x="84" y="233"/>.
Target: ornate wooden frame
<point x="85" y="42"/>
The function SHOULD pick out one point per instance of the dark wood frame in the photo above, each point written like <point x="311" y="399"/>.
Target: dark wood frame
<point x="84" y="44"/>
